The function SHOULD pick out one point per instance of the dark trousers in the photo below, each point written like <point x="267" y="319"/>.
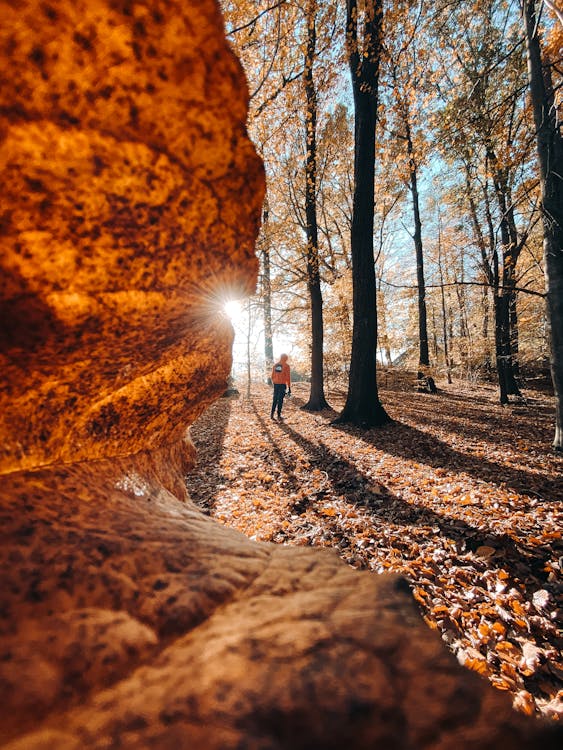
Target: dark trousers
<point x="277" y="403"/>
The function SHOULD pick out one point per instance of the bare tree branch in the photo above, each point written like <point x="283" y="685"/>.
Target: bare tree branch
<point x="466" y="283"/>
<point x="244" y="26"/>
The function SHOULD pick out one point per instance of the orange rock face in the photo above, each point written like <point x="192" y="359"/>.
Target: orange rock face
<point x="130" y="203"/>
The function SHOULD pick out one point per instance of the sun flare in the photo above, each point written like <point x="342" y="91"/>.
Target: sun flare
<point x="233" y="309"/>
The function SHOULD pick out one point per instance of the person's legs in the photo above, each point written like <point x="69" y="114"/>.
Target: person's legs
<point x="275" y="400"/>
<point x="280" y="400"/>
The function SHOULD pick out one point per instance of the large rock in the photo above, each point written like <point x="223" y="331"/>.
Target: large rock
<point x="130" y="202"/>
<point x="131" y="620"/>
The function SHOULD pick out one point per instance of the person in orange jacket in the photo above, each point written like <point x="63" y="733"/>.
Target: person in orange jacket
<point x="281" y="377"/>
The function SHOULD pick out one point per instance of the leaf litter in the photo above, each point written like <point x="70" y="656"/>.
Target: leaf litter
<point x="459" y="495"/>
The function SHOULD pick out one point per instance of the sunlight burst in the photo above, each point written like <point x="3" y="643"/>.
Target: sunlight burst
<point x="233" y="308"/>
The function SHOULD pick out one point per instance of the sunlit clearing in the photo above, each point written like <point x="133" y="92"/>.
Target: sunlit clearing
<point x="233" y="308"/>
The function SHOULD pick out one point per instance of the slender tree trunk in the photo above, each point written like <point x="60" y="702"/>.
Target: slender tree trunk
<point x="423" y="355"/>
<point x="423" y="358"/>
<point x="363" y="406"/>
<point x="511" y="283"/>
<point x="550" y="157"/>
<point x="248" y="361"/>
<point x="267" y="293"/>
<point x="485" y="331"/>
<point x="317" y="400"/>
<point x="443" y="300"/>
<point x="466" y="344"/>
<point x="514" y="334"/>
<point x="509" y="241"/>
<point x="508" y="282"/>
<point x="486" y="265"/>
<point x="502" y="344"/>
<point x="450" y="335"/>
<point x="434" y="334"/>
<point x="445" y="334"/>
<point x="383" y="336"/>
<point x="501" y="311"/>
<point x="503" y="327"/>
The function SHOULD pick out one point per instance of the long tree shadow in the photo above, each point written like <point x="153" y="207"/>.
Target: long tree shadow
<point x="475" y="419"/>
<point x="202" y="483"/>
<point x="347" y="480"/>
<point x="399" y="439"/>
<point x="328" y="412"/>
<point x="291" y="480"/>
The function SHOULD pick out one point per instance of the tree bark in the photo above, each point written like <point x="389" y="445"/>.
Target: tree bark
<point x="514" y="335"/>
<point x="267" y="292"/>
<point x="248" y="355"/>
<point x="487" y="364"/>
<point x="382" y="334"/>
<point x="510" y="251"/>
<point x="517" y="245"/>
<point x="505" y="374"/>
<point x="363" y="406"/>
<point x="447" y="359"/>
<point x="502" y="345"/>
<point x="317" y="400"/>
<point x="423" y="355"/>
<point x="550" y="157"/>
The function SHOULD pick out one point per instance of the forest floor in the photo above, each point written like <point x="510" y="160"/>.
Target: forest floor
<point x="458" y="494"/>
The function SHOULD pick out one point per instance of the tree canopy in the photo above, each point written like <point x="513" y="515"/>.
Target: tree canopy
<point x="458" y="218"/>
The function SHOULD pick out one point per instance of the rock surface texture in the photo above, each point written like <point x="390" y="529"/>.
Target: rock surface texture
<point x="130" y="204"/>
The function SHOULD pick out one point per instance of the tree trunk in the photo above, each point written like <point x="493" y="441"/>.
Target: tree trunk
<point x="248" y="360"/>
<point x="501" y="307"/>
<point x="445" y="335"/>
<point x="485" y="331"/>
<point x="510" y="250"/>
<point x="550" y="157"/>
<point x="489" y="276"/>
<point x="363" y="406"/>
<point x="465" y="342"/>
<point x="502" y="338"/>
<point x="423" y="356"/>
<point x="514" y="335"/>
<point x="317" y="400"/>
<point x="502" y="344"/>
<point x="443" y="300"/>
<point x="516" y="246"/>
<point x="383" y="336"/>
<point x="267" y="293"/>
<point x="434" y="334"/>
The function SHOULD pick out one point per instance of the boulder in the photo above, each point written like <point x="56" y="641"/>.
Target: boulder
<point x="131" y="620"/>
<point x="131" y="201"/>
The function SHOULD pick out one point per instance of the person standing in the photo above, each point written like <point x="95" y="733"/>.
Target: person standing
<point x="281" y="378"/>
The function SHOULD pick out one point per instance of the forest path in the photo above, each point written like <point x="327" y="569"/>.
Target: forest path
<point x="458" y="494"/>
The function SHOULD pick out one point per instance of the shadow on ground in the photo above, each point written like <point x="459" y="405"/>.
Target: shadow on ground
<point x="519" y="559"/>
<point x="404" y="441"/>
<point x="208" y="435"/>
